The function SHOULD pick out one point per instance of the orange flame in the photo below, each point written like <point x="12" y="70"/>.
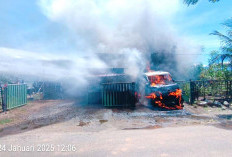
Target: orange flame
<point x="158" y="99"/>
<point x="151" y="96"/>
<point x="158" y="79"/>
<point x="177" y="94"/>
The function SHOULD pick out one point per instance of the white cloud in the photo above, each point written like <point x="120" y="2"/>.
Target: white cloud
<point x="47" y="66"/>
<point x="55" y="8"/>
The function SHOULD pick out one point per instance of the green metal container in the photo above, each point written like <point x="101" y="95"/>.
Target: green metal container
<point x="118" y="94"/>
<point x="15" y="95"/>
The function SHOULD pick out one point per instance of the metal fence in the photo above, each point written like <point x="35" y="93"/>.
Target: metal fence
<point x="207" y="89"/>
<point x="113" y="95"/>
<point x="47" y="90"/>
<point x="52" y="90"/>
<point x="119" y="94"/>
<point x="13" y="95"/>
<point x="185" y="87"/>
<point x="1" y="98"/>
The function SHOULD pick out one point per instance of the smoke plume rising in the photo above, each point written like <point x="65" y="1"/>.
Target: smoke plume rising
<point x="109" y="33"/>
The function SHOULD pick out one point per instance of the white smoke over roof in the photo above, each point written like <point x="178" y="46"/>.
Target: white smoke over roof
<point x="55" y="9"/>
<point x="134" y="28"/>
<point x="127" y="30"/>
<point x="111" y="25"/>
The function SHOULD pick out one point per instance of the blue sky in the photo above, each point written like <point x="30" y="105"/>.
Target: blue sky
<point x="198" y="21"/>
<point x="23" y="26"/>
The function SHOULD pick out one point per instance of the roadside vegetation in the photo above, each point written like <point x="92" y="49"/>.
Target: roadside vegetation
<point x="220" y="61"/>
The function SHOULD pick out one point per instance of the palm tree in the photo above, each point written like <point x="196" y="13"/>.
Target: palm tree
<point x="226" y="44"/>
<point x="192" y="2"/>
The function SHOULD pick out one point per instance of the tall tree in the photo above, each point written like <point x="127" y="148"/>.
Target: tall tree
<point x="226" y="44"/>
<point x="192" y="2"/>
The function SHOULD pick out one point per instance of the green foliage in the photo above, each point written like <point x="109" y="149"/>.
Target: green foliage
<point x="217" y="69"/>
<point x="196" y="72"/>
<point x="214" y="57"/>
<point x="226" y="39"/>
<point x="6" y="78"/>
<point x="216" y="72"/>
<point x="192" y="2"/>
<point x="3" y="79"/>
<point x="186" y="91"/>
<point x="5" y="121"/>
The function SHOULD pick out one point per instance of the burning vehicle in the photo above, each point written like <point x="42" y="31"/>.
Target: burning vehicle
<point x="115" y="88"/>
<point x="162" y="91"/>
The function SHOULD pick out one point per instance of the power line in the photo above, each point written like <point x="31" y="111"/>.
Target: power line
<point x="190" y="54"/>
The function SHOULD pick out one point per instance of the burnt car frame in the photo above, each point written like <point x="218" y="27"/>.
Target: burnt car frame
<point x="162" y="91"/>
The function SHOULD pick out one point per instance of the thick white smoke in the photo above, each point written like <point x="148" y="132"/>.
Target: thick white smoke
<point x="131" y="28"/>
<point x="127" y="30"/>
<point x="47" y="66"/>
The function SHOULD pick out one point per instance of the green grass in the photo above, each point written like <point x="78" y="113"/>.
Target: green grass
<point x="5" y="121"/>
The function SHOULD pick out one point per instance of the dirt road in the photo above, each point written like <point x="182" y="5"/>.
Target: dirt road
<point x="175" y="141"/>
<point x="66" y="128"/>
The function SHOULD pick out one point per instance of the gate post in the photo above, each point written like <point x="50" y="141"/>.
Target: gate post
<point x="3" y="97"/>
<point x="192" y="94"/>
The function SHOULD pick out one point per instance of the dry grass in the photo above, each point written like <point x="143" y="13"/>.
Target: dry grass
<point x="5" y="121"/>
